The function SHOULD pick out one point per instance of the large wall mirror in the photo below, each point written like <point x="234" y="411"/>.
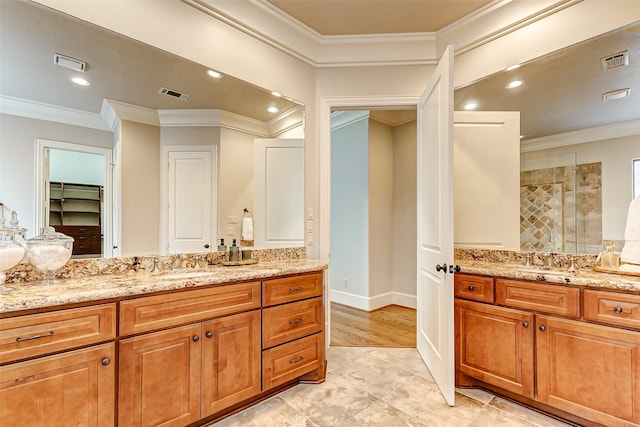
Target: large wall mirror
<point x="580" y="133"/>
<point x="142" y="105"/>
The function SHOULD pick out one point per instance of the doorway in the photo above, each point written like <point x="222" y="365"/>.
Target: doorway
<point x="373" y="227"/>
<point x="75" y="195"/>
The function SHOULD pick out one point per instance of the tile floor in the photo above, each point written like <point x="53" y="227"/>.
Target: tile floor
<point x="389" y="387"/>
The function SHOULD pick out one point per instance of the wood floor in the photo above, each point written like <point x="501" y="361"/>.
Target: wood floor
<point x="391" y="326"/>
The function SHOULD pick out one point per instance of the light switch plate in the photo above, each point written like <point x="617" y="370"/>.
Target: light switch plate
<point x="309" y="226"/>
<point x="309" y="213"/>
<point x="231" y="231"/>
<point x="232" y="219"/>
<point x="309" y="239"/>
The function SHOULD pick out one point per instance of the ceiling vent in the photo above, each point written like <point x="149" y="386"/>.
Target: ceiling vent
<point x="616" y="60"/>
<point x="616" y="94"/>
<point x="173" y="93"/>
<point x="68" y="62"/>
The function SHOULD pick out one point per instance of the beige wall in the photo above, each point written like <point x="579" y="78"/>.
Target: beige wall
<point x="404" y="211"/>
<point x="140" y="196"/>
<point x="380" y="209"/>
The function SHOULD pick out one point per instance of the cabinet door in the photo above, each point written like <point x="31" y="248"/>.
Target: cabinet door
<point x="495" y="345"/>
<point x="230" y="361"/>
<point x="159" y="381"/>
<point x="76" y="387"/>
<point x="589" y="370"/>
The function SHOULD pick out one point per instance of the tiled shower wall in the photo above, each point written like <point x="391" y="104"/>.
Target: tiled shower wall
<point x="561" y="209"/>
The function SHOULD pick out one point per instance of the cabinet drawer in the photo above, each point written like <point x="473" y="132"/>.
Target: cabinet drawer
<point x="474" y="287"/>
<point x="279" y="291"/>
<point x="552" y="299"/>
<point x="149" y="313"/>
<point x="292" y="360"/>
<point x="612" y="307"/>
<point x="290" y="321"/>
<point x="37" y="334"/>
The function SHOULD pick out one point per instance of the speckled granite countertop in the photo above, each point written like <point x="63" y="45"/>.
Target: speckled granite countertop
<point x="582" y="277"/>
<point x="33" y="295"/>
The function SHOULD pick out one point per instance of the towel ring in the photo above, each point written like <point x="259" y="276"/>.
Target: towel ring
<point x="247" y="213"/>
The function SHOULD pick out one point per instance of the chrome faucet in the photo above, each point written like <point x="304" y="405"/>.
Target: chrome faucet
<point x="547" y="258"/>
<point x="155" y="269"/>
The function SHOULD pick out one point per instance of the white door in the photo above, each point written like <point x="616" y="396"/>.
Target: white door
<point x="435" y="332"/>
<point x="486" y="151"/>
<point x="278" y="216"/>
<point x="190" y="200"/>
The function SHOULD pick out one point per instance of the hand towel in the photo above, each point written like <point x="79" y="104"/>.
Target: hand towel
<point x="247" y="228"/>
<point x="631" y="250"/>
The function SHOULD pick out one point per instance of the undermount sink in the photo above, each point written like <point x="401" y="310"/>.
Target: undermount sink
<point x="186" y="274"/>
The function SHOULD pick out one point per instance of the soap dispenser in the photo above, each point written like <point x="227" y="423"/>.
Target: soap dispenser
<point x="234" y="252"/>
<point x="222" y="247"/>
<point x="610" y="259"/>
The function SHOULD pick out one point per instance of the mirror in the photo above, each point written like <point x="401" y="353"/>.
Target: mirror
<point x="161" y="100"/>
<point x="577" y="148"/>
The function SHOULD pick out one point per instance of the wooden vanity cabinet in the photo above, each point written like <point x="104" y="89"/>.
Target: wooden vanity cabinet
<point x="534" y="342"/>
<point x="62" y="382"/>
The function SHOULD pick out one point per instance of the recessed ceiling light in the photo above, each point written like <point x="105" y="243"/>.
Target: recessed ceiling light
<point x="80" y="81"/>
<point x="512" y="67"/>
<point x="214" y="74"/>
<point x="470" y="106"/>
<point x="277" y="94"/>
<point x="272" y="109"/>
<point x="514" y="84"/>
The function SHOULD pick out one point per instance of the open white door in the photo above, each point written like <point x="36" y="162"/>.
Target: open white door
<point x="435" y="332"/>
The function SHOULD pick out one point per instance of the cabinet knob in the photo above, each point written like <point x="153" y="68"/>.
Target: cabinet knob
<point x="525" y="324"/>
<point x="105" y="361"/>
<point x="209" y="334"/>
<point x="206" y="246"/>
<point x="617" y="309"/>
<point x="471" y="287"/>
<point x="542" y="328"/>
<point x="196" y="338"/>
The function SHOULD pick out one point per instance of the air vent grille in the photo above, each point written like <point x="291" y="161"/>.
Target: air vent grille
<point x="173" y="93"/>
<point x="68" y="62"/>
<point x="616" y="60"/>
<point x="616" y="94"/>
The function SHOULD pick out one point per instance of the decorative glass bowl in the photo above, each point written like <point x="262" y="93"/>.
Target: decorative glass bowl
<point x="49" y="252"/>
<point x="11" y="252"/>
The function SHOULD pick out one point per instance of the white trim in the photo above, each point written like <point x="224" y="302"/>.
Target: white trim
<point x="107" y="214"/>
<point x="212" y="117"/>
<point x="615" y="130"/>
<point x="164" y="194"/>
<point x="375" y="302"/>
<point x="52" y="113"/>
<point x="126" y="111"/>
<point x="286" y="121"/>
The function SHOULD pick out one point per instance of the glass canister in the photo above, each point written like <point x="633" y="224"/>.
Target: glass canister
<point x="49" y="252"/>
<point x="11" y="252"/>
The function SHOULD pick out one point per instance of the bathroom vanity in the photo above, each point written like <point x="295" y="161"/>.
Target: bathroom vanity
<point x="571" y="349"/>
<point x="171" y="349"/>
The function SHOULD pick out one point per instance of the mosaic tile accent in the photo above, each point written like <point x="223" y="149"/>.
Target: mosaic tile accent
<point x="566" y="200"/>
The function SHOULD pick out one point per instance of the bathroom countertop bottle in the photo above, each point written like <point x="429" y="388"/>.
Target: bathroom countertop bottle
<point x="610" y="259"/>
<point x="222" y="247"/>
<point x="234" y="252"/>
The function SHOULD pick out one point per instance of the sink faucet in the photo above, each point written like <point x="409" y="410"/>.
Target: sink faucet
<point x="155" y="269"/>
<point x="135" y="263"/>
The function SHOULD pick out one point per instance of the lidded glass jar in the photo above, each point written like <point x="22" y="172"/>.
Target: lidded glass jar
<point x="11" y="252"/>
<point x="49" y="252"/>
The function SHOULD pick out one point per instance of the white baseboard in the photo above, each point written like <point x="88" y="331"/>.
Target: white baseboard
<point x="374" y="302"/>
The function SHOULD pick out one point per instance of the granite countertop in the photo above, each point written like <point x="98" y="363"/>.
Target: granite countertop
<point x="581" y="277"/>
<point x="33" y="295"/>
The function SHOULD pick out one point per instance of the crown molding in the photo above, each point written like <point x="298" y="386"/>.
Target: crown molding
<point x="615" y="130"/>
<point x="263" y="21"/>
<point x="113" y="110"/>
<point x="52" y="113"/>
<point x="286" y="121"/>
<point x="212" y="118"/>
<point x="340" y="119"/>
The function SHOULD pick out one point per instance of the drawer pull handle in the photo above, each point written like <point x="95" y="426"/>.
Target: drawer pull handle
<point x="35" y="337"/>
<point x="106" y="361"/>
<point x="471" y="287"/>
<point x="525" y="324"/>
<point x="209" y="334"/>
<point x="542" y="328"/>
<point x="298" y="289"/>
<point x="295" y="322"/>
<point x="298" y="360"/>
<point x="617" y="309"/>
<point x="196" y="338"/>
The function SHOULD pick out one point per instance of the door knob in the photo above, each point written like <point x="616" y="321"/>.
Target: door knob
<point x="453" y="268"/>
<point x="442" y="267"/>
<point x="206" y="246"/>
